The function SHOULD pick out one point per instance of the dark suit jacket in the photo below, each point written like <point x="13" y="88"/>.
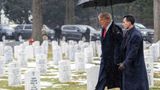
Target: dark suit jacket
<point x="134" y="74"/>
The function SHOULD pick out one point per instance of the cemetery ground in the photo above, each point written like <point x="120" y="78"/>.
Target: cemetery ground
<point x="50" y="81"/>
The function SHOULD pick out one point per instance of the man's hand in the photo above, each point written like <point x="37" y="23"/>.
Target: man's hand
<point x="121" y="66"/>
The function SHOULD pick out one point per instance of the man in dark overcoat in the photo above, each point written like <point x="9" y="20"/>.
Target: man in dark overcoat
<point x="58" y="34"/>
<point x="133" y="67"/>
<point x="111" y="38"/>
<point x="87" y="35"/>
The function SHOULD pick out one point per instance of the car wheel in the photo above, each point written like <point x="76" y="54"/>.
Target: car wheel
<point x="3" y="37"/>
<point x="83" y="39"/>
<point x="20" y="38"/>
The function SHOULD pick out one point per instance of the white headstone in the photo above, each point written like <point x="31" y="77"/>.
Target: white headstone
<point x="71" y="52"/>
<point x="22" y="58"/>
<point x="16" y="51"/>
<point x="71" y="42"/>
<point x="77" y="48"/>
<point x="99" y="51"/>
<point x="93" y="47"/>
<point x="80" y="42"/>
<point x="88" y="56"/>
<point x="41" y="61"/>
<point x="158" y="45"/>
<point x="38" y="50"/>
<point x="45" y="47"/>
<point x="65" y="50"/>
<point x="154" y="51"/>
<point x="145" y="45"/>
<point x="1" y="66"/>
<point x="149" y="67"/>
<point x="147" y="52"/>
<point x="14" y="74"/>
<point x="36" y="43"/>
<point x="8" y="54"/>
<point x="26" y="43"/>
<point x="54" y="43"/>
<point x="32" y="80"/>
<point x="1" y="48"/>
<point x="92" y="77"/>
<point x="57" y="54"/>
<point x="23" y="45"/>
<point x="29" y="52"/>
<point x="79" y="62"/>
<point x="64" y="71"/>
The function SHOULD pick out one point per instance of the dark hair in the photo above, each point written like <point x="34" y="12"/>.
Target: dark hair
<point x="130" y="18"/>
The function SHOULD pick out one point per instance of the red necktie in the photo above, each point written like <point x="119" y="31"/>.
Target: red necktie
<point x="104" y="33"/>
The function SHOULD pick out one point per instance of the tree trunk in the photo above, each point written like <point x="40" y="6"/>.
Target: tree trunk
<point x="37" y="20"/>
<point x="70" y="12"/>
<point x="156" y="20"/>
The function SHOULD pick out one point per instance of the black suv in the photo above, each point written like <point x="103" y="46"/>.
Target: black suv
<point x="6" y="32"/>
<point x="24" y="31"/>
<point x="77" y="32"/>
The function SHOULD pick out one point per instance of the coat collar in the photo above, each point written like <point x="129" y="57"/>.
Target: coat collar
<point x="109" y="29"/>
<point x="128" y="35"/>
<point x="130" y="30"/>
<point x="109" y="25"/>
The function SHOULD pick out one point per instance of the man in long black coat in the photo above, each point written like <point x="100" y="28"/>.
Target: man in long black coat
<point x="87" y="35"/>
<point x="109" y="75"/>
<point x="133" y="66"/>
<point x="58" y="33"/>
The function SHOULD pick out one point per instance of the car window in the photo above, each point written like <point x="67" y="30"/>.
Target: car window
<point x="91" y="29"/>
<point x="19" y="27"/>
<point x="139" y="26"/>
<point x="7" y="28"/>
<point x="28" y="27"/>
<point x="76" y="28"/>
<point x="69" y="28"/>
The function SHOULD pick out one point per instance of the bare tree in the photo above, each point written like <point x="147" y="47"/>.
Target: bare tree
<point x="70" y="12"/>
<point x="37" y="20"/>
<point x="157" y="20"/>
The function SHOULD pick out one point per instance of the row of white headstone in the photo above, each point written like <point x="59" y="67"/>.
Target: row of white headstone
<point x="80" y="53"/>
<point x="152" y="54"/>
<point x="32" y="77"/>
<point x="68" y="51"/>
<point x="22" y="53"/>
